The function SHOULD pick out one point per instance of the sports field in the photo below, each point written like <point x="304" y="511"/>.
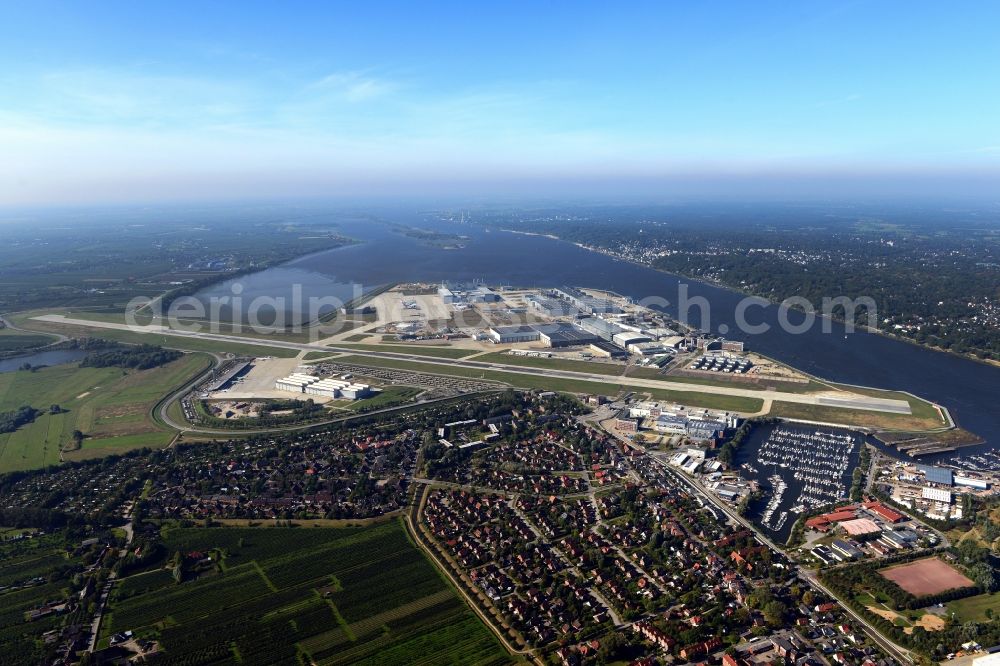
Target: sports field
<point x="925" y="577"/>
<point x="110" y="406"/>
<point x="303" y="595"/>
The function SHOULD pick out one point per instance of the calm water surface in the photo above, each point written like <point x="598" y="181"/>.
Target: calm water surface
<point x="969" y="389"/>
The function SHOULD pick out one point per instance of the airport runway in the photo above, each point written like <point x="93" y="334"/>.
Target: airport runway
<point x="853" y="401"/>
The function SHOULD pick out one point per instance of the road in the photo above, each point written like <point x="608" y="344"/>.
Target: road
<point x="852" y="401"/>
<point x="803" y="573"/>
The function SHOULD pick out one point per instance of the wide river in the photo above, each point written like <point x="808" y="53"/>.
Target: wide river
<point x="969" y="389"/>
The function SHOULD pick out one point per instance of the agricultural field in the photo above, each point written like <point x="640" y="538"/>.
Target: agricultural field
<point x="301" y="595"/>
<point x="44" y="559"/>
<point x="111" y="406"/>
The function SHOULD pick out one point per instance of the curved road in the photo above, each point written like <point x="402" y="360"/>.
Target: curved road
<point x="161" y="410"/>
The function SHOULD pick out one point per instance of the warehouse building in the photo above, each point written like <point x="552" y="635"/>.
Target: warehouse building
<point x="503" y="335"/>
<point x="650" y="349"/>
<point x="606" y="350"/>
<point x="606" y="330"/>
<point x="295" y="383"/>
<point x="559" y="334"/>
<point x="586" y="303"/>
<point x="936" y="494"/>
<point x="328" y="388"/>
<point x="939" y="475"/>
<point x="552" y="307"/>
<point x="969" y="482"/>
<point x="626" y="338"/>
<point x="697" y="429"/>
<point x="671" y="425"/>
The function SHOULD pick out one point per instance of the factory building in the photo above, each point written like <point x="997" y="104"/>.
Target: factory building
<point x="455" y="293"/>
<point x="732" y="346"/>
<point x="969" y="482"/>
<point x="503" y="335"/>
<point x="650" y="349"/>
<point x="697" y="429"/>
<point x="673" y="341"/>
<point x="660" y="332"/>
<point x="329" y="388"/>
<point x="552" y="307"/>
<point x="564" y="335"/>
<point x="606" y="350"/>
<point x="356" y="391"/>
<point x="586" y="303"/>
<point x="626" y="338"/>
<point x="338" y="388"/>
<point x="605" y="330"/>
<point x="295" y="383"/>
<point x="939" y="475"/>
<point x="671" y="425"/>
<point x="448" y="297"/>
<point x="936" y="494"/>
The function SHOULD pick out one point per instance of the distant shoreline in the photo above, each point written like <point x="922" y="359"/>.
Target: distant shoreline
<point x="739" y="290"/>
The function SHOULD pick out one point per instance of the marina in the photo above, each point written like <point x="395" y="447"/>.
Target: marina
<point x="798" y="469"/>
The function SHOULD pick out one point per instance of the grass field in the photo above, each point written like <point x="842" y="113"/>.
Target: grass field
<point x="855" y="417"/>
<point x="591" y="367"/>
<point x="109" y="405"/>
<point x="289" y="596"/>
<point x="169" y="341"/>
<point x="418" y="350"/>
<point x="708" y="400"/>
<point x="11" y="340"/>
<point x="388" y="397"/>
<point x="973" y="609"/>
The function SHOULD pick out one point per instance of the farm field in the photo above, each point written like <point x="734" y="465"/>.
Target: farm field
<point x="111" y="406"/>
<point x="302" y="595"/>
<point x="20" y="562"/>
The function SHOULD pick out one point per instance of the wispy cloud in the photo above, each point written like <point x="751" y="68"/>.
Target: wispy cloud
<point x="846" y="99"/>
<point x="354" y="86"/>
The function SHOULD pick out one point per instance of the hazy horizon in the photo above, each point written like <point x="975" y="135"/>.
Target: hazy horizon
<point x="125" y="103"/>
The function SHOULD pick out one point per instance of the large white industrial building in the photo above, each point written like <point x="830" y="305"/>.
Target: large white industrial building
<point x="295" y="383"/>
<point x="329" y="388"/>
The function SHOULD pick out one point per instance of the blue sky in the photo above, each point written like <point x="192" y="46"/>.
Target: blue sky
<point x="131" y="101"/>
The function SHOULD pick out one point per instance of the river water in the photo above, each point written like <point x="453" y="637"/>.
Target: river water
<point x="52" y="357"/>
<point x="969" y="389"/>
